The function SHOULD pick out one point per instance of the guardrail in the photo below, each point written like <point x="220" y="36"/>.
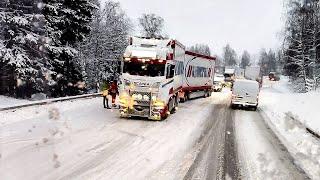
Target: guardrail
<point x="48" y="101"/>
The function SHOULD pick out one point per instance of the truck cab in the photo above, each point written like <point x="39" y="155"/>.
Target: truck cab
<point x="151" y="78"/>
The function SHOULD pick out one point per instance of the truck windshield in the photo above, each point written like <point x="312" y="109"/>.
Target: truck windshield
<point x="144" y="69"/>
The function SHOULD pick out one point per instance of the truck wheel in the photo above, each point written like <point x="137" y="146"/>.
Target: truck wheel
<point x="177" y="101"/>
<point x="182" y="100"/>
<point x="255" y="108"/>
<point x="187" y="97"/>
<point x="174" y="105"/>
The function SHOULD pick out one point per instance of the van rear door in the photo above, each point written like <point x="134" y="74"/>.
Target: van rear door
<point x="246" y="92"/>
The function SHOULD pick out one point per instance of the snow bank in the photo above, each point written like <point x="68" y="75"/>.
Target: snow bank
<point x="289" y="114"/>
<point x="8" y="101"/>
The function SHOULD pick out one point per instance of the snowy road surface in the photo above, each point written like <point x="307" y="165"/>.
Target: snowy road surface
<point x="79" y="139"/>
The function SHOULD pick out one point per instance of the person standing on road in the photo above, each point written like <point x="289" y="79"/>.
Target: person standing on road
<point x="105" y="94"/>
<point x="113" y="92"/>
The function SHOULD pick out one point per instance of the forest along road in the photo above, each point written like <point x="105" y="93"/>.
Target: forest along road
<point x="204" y="139"/>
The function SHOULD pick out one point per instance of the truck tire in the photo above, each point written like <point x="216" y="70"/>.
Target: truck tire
<point x="255" y="108"/>
<point x="174" y="105"/>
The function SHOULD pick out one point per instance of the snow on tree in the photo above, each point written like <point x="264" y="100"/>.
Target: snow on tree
<point x="302" y="42"/>
<point x="105" y="45"/>
<point x="152" y="25"/>
<point x="229" y="56"/>
<point x="245" y="60"/>
<point x="67" y="24"/>
<point x="21" y="46"/>
<point x="201" y="49"/>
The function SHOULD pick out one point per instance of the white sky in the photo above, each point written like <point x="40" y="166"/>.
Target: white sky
<point x="244" y="24"/>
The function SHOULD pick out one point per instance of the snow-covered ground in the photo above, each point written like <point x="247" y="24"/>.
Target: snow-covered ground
<point x="289" y="114"/>
<point x="79" y="139"/>
<point x="8" y="101"/>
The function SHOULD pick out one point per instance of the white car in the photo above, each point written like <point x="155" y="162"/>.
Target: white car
<point x="245" y="93"/>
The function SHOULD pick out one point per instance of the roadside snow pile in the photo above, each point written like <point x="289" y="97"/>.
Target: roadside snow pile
<point x="289" y="114"/>
<point x="8" y="101"/>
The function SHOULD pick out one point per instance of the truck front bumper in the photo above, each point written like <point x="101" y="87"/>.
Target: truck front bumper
<point x="140" y="112"/>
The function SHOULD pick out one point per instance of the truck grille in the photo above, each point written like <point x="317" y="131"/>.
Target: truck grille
<point x="141" y="107"/>
<point x="142" y="102"/>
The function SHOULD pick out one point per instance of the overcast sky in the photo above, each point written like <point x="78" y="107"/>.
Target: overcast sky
<point x="245" y="24"/>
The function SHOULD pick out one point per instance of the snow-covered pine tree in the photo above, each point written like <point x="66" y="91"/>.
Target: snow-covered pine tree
<point x="301" y="42"/>
<point x="22" y="59"/>
<point x="106" y="44"/>
<point x="263" y="62"/>
<point x="67" y="23"/>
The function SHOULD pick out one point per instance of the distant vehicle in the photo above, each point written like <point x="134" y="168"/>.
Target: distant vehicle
<point x="245" y="93"/>
<point x="218" y="83"/>
<point x="273" y="76"/>
<point x="229" y="76"/>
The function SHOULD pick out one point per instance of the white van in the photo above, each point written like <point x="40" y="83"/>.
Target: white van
<point x="245" y="93"/>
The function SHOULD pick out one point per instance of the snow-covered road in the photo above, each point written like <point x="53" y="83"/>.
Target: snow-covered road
<point x="79" y="139"/>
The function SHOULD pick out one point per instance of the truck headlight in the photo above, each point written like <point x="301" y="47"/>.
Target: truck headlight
<point x="134" y="96"/>
<point x="139" y="97"/>
<point x="146" y="98"/>
<point x="154" y="98"/>
<point x="159" y="103"/>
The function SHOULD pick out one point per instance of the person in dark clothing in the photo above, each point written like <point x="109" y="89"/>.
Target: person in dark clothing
<point x="113" y="91"/>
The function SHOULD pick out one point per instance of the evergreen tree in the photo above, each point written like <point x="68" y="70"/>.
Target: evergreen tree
<point x="229" y="56"/>
<point x="21" y="47"/>
<point x="245" y="60"/>
<point x="67" y="23"/>
<point x="105" y="45"/>
<point x="302" y="41"/>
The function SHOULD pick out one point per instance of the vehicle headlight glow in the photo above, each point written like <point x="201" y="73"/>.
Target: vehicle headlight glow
<point x="134" y="96"/>
<point x="139" y="97"/>
<point x="146" y="98"/>
<point x="159" y="103"/>
<point x="154" y="98"/>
